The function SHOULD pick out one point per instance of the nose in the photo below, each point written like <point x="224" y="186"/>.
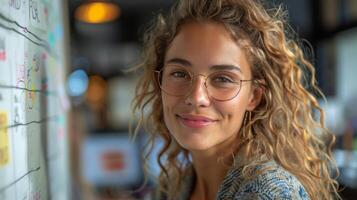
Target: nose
<point x="198" y="95"/>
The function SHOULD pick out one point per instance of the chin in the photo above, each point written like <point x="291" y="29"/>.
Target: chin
<point x="195" y="145"/>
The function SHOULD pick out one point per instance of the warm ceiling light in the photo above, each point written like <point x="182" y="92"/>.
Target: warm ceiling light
<point x="97" y="12"/>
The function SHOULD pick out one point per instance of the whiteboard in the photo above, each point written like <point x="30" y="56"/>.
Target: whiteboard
<point x="33" y="103"/>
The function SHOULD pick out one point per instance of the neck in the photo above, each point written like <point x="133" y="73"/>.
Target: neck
<point x="210" y="169"/>
<point x="210" y="173"/>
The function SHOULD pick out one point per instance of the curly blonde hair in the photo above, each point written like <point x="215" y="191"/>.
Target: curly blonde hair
<point x="287" y="126"/>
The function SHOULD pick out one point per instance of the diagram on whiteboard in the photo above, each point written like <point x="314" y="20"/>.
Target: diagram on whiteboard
<point x="33" y="103"/>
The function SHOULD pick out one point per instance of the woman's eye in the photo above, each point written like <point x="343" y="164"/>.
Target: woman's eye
<point x="180" y="74"/>
<point x="223" y="79"/>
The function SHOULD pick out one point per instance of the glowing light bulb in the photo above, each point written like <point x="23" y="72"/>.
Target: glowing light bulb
<point x="97" y="12"/>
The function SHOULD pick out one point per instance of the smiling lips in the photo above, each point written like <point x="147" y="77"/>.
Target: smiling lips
<point x="195" y="121"/>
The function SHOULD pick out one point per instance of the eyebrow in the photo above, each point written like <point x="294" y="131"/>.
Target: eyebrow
<point x="187" y="63"/>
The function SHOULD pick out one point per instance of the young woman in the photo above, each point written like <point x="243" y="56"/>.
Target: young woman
<point x="225" y="88"/>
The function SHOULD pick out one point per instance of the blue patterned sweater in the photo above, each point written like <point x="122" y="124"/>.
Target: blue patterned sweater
<point x="274" y="183"/>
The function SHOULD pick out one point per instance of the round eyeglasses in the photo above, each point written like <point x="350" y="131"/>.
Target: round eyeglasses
<point x="220" y="85"/>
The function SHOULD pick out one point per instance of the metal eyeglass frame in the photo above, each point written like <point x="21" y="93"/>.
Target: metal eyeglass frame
<point x="159" y="72"/>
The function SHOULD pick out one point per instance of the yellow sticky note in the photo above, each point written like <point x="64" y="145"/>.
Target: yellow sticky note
<point x="4" y="139"/>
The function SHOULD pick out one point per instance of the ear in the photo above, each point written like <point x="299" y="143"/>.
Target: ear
<point x="255" y="95"/>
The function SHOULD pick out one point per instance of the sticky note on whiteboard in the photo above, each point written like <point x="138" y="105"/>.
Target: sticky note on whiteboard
<point x="4" y="140"/>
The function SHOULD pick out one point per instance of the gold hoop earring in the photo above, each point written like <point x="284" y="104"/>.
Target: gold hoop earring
<point x="247" y="131"/>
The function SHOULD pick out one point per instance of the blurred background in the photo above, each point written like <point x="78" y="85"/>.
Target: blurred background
<point x="104" y="40"/>
<point x="101" y="93"/>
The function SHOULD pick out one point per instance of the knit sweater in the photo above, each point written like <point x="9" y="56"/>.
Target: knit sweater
<point x="274" y="183"/>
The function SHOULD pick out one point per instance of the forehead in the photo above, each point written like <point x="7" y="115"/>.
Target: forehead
<point x="206" y="44"/>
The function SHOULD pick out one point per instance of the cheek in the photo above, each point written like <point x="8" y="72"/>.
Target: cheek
<point x="171" y="102"/>
<point x="168" y="104"/>
<point x="233" y="113"/>
<point x="167" y="100"/>
<point x="165" y="108"/>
